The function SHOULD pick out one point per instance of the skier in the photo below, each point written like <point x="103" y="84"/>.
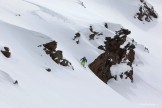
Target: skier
<point x="83" y="61"/>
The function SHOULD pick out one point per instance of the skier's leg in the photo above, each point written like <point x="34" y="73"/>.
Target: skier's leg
<point x="81" y="63"/>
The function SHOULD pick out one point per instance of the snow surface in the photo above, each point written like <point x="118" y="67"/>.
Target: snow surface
<point x="26" y="24"/>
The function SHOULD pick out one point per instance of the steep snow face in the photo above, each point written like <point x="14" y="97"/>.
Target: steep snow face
<point x="24" y="25"/>
<point x="37" y="88"/>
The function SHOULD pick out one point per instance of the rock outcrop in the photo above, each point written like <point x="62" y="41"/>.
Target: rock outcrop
<point x="77" y="37"/>
<point x="6" y="52"/>
<point x="93" y="33"/>
<point x="146" y="12"/>
<point x="106" y="25"/>
<point x="56" y="55"/>
<point x="115" y="53"/>
<point x="92" y="36"/>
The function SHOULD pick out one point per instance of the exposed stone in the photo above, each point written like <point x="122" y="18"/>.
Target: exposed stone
<point x="130" y="55"/>
<point x="101" y="47"/>
<point x="6" y="52"/>
<point x="123" y="31"/>
<point x="93" y="33"/>
<point x="91" y="36"/>
<point x="39" y="45"/>
<point x="146" y="49"/>
<point x="6" y="48"/>
<point x="99" y="34"/>
<point x="48" y="69"/>
<point x="121" y="75"/>
<point x="114" y="54"/>
<point x="77" y="41"/>
<point x="16" y="82"/>
<point x="129" y="74"/>
<point x="51" y="46"/>
<point x="56" y="55"/>
<point x="65" y="62"/>
<point x="106" y="25"/>
<point x="77" y="37"/>
<point x="91" y="29"/>
<point x="146" y="12"/>
<point x="101" y="67"/>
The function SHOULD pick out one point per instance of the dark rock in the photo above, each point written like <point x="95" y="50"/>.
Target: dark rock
<point x="65" y="62"/>
<point x="91" y="29"/>
<point x="48" y="52"/>
<point x="123" y="31"/>
<point x="16" y="82"/>
<point x="99" y="34"/>
<point x="56" y="55"/>
<point x="129" y="74"/>
<point x="77" y="42"/>
<point x="101" y="47"/>
<point x="18" y="15"/>
<point x="131" y="55"/>
<point x="6" y="52"/>
<point x="77" y="35"/>
<point x="113" y="55"/>
<point x="106" y="25"/>
<point x="101" y="67"/>
<point x="146" y="12"/>
<point x="121" y="75"/>
<point x="91" y="36"/>
<point x="51" y="46"/>
<point x="39" y="46"/>
<point x="6" y="48"/>
<point x="94" y="33"/>
<point x="115" y="77"/>
<point x="141" y="0"/>
<point x="129" y="64"/>
<point x="48" y="69"/>
<point x="146" y="49"/>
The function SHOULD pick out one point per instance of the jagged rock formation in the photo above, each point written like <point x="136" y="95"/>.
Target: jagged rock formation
<point x="115" y="53"/>
<point x="101" y="67"/>
<point x="92" y="36"/>
<point x="93" y="33"/>
<point x="77" y="37"/>
<point x="146" y="12"/>
<point x="6" y="52"/>
<point x="56" y="55"/>
<point x="129" y="74"/>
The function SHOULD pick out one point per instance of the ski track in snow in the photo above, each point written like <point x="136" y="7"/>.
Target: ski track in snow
<point x="50" y="12"/>
<point x="5" y="77"/>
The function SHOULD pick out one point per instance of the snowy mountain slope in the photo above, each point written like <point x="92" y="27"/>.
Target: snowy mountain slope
<point x="37" y="88"/>
<point x="26" y="24"/>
